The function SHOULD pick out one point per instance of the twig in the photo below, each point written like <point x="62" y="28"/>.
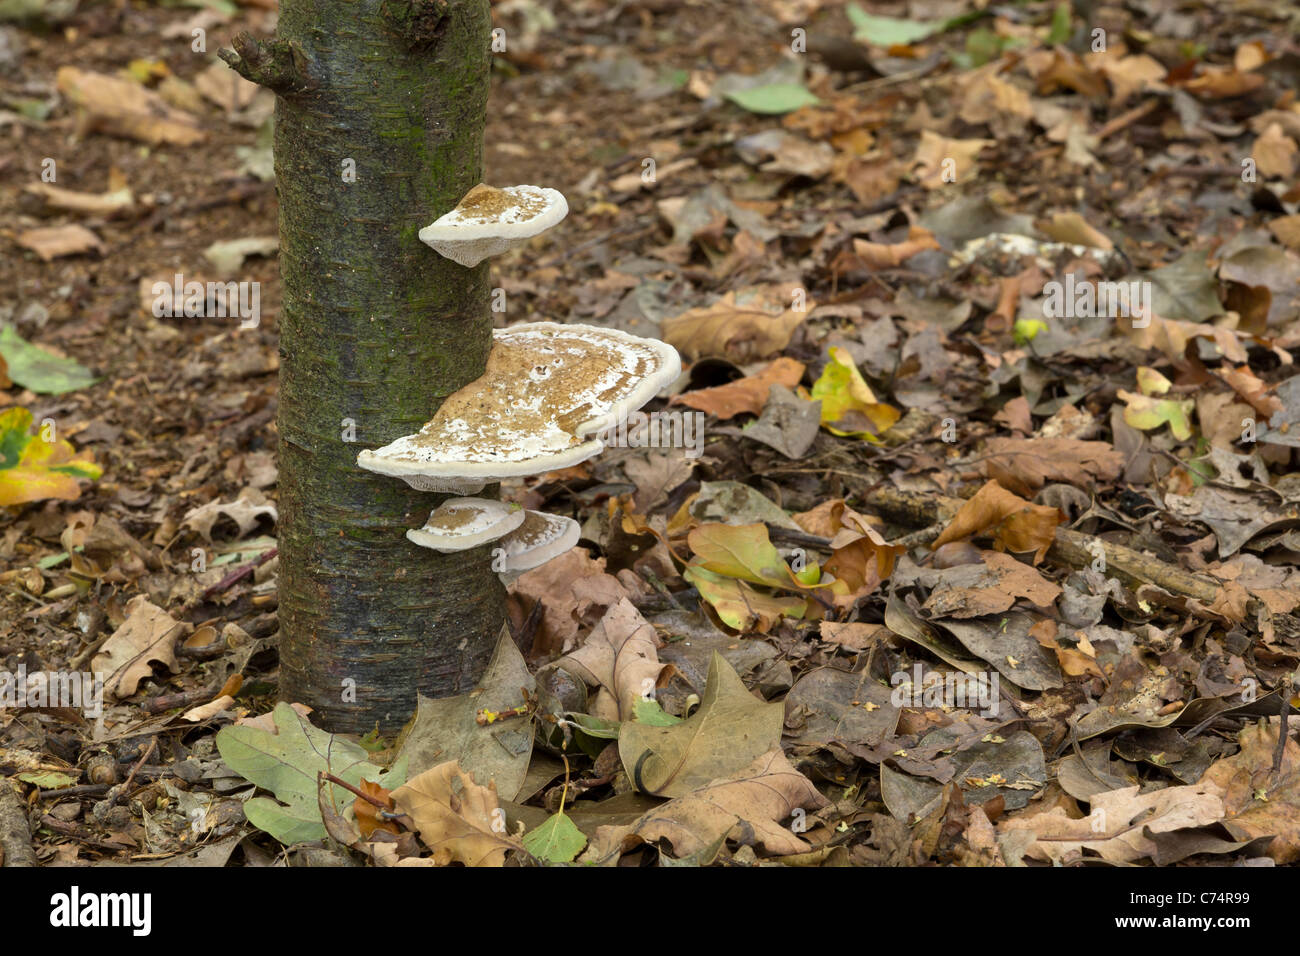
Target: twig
<point x="234" y="577"/>
<point x="15" y="833"/>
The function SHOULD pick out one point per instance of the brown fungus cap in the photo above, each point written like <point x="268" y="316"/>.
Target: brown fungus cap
<point x="489" y="221"/>
<point x="459" y="524"/>
<point x="548" y="391"/>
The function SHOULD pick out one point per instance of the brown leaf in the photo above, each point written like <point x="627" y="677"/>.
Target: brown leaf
<point x="745" y="395"/>
<point x="1260" y="802"/>
<point x="1016" y="524"/>
<point x="53" y="242"/>
<point x="758" y="800"/>
<point x="460" y="821"/>
<point x="148" y="634"/>
<point x="574" y="590"/>
<point x="123" y="108"/>
<point x="1116" y="828"/>
<point x="749" y="324"/>
<point x="620" y="657"/>
<point x="1024" y="465"/>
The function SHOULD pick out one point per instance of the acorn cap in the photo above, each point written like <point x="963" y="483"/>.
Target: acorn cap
<point x="489" y="221"/>
<point x="540" y="538"/>
<point x="459" y="524"/>
<point x="548" y="390"/>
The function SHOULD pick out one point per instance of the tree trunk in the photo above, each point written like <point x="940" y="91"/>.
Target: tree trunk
<point x="376" y="330"/>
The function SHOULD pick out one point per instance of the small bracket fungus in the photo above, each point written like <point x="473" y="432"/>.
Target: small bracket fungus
<point x="540" y="538"/>
<point x="459" y="524"/>
<point x="548" y="391"/>
<point x="489" y="221"/>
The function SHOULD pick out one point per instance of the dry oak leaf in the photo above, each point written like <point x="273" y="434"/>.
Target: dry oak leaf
<point x="884" y="255"/>
<point x="621" y="658"/>
<point x="758" y="800"/>
<point x="125" y="108"/>
<point x="1026" y="464"/>
<point x="746" y="395"/>
<point x="148" y="634"/>
<point x="743" y="325"/>
<point x="1259" y="802"/>
<point x="460" y="821"/>
<point x="1016" y="525"/>
<point x="1116" y="828"/>
<point x="244" y="511"/>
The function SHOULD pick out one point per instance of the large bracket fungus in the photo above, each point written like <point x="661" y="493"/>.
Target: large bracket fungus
<point x="489" y="221"/>
<point x="548" y="391"/>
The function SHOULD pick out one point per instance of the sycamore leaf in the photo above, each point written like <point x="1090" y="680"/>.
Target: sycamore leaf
<point x="849" y="408"/>
<point x="33" y="468"/>
<point x="729" y="731"/>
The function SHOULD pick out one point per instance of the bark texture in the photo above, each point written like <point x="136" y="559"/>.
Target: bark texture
<point x="376" y="329"/>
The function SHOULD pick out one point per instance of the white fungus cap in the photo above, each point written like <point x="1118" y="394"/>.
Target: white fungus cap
<point x="540" y="538"/>
<point x="459" y="524"/>
<point x="548" y="391"/>
<point x="489" y="221"/>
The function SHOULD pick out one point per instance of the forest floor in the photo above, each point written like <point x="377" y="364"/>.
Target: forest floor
<point x="993" y="524"/>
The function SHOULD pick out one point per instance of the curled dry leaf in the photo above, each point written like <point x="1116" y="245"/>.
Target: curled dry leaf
<point x="1016" y="525"/>
<point x="619" y="657"/>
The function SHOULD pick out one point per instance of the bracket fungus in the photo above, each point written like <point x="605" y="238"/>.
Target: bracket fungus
<point x="489" y="221"/>
<point x="459" y="524"/>
<point x="548" y="392"/>
<point x="527" y="539"/>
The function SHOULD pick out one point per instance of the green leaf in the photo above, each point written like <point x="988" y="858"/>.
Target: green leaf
<point x="558" y="840"/>
<point x="773" y="99"/>
<point x="33" y="367"/>
<point x="891" y="31"/>
<point x="48" y="779"/>
<point x="287" y="763"/>
<point x="649" y="712"/>
<point x="1060" y="29"/>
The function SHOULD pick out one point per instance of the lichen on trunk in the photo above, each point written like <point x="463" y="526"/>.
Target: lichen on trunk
<point x="376" y="330"/>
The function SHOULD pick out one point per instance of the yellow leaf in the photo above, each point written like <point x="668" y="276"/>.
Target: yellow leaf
<point x="33" y="468"/>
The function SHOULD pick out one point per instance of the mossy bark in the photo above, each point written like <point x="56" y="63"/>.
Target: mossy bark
<point x="376" y="329"/>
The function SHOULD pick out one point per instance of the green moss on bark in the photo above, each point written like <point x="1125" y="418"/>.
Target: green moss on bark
<point x="378" y="329"/>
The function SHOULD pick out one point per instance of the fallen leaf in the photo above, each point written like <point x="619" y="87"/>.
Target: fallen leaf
<point x="459" y="820"/>
<point x="148" y="635"/>
<point x="33" y="468"/>
<point x="727" y="733"/>
<point x="745" y="395"/>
